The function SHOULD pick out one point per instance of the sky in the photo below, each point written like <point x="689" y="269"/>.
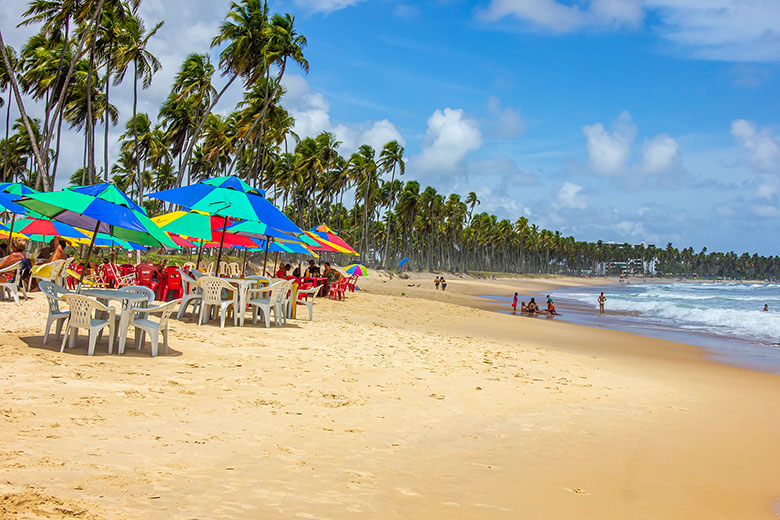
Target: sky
<point x="619" y="120"/>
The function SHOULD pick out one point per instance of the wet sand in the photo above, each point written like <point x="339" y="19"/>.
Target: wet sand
<point x="385" y="406"/>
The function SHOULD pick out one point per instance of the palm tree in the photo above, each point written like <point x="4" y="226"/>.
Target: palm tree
<point x="244" y="36"/>
<point x="5" y="83"/>
<point x="391" y="158"/>
<point x="145" y="64"/>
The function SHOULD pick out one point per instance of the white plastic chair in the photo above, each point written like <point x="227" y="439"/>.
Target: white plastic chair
<point x="310" y="294"/>
<point x="154" y="329"/>
<point x="234" y="269"/>
<point x="284" y="296"/>
<point x="188" y="265"/>
<point x="266" y="299"/>
<point x="82" y="309"/>
<point x="212" y="289"/>
<point x="53" y="295"/>
<point x="62" y="275"/>
<point x="12" y="287"/>
<point x="192" y="294"/>
<point x="210" y="269"/>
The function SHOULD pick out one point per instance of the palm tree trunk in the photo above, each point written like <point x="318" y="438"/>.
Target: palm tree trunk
<point x="196" y="133"/>
<point x="387" y="225"/>
<point x="105" y="116"/>
<point x="57" y="152"/>
<point x="25" y="119"/>
<point x="135" y="133"/>
<point x="7" y="130"/>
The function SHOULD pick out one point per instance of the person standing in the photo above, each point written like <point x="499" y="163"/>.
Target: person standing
<point x="514" y="304"/>
<point x="602" y="300"/>
<point x="443" y="283"/>
<point x="766" y="307"/>
<point x="436" y="283"/>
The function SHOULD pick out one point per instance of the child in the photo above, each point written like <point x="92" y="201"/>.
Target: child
<point x="523" y="308"/>
<point x="514" y="304"/>
<point x="436" y="283"/>
<point x="443" y="283"/>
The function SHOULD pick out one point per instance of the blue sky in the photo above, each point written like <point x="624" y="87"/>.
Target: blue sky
<point x="624" y="120"/>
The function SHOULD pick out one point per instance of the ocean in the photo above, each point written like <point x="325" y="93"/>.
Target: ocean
<point x="725" y="318"/>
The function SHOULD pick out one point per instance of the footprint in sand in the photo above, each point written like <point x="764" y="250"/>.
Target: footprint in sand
<point x="577" y="491"/>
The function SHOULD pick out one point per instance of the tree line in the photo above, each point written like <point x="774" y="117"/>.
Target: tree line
<point x="83" y="48"/>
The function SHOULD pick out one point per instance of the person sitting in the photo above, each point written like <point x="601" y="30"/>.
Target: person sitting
<point x="532" y="308"/>
<point x="331" y="275"/>
<point x="523" y="307"/>
<point x="297" y="272"/>
<point x="57" y="246"/>
<point x="18" y="245"/>
<point x="282" y="271"/>
<point x="313" y="271"/>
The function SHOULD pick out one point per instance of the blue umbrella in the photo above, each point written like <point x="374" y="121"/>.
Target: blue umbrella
<point x="9" y="192"/>
<point x="402" y="262"/>
<point x="229" y="197"/>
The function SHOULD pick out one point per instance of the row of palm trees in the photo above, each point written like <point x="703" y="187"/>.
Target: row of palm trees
<point x="83" y="48"/>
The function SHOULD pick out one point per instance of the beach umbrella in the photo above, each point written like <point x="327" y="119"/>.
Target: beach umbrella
<point x="5" y="232"/>
<point x="38" y="229"/>
<point x="402" y="262"/>
<point x="329" y="241"/>
<point x="230" y="198"/>
<point x="9" y="192"/>
<point x="356" y="269"/>
<point x="101" y="208"/>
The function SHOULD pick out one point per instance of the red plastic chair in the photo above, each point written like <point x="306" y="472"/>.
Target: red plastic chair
<point x="147" y="275"/>
<point x="126" y="269"/>
<point x="338" y="290"/>
<point x="171" y="282"/>
<point x="352" y="282"/>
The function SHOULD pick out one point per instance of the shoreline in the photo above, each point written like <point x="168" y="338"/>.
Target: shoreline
<point x="384" y="406"/>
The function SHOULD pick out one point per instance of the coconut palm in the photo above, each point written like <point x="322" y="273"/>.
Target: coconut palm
<point x="390" y="159"/>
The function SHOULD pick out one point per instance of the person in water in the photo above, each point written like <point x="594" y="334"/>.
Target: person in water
<point x="532" y="308"/>
<point x="523" y="307"/>
<point x="602" y="300"/>
<point x="514" y="304"/>
<point x="766" y="307"/>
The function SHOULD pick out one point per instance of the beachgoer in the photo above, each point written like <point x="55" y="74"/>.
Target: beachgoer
<point x="532" y="307"/>
<point x="313" y="271"/>
<point x="523" y="307"/>
<point x="331" y="274"/>
<point x="57" y="245"/>
<point x="766" y="307"/>
<point x="602" y="300"/>
<point x="281" y="272"/>
<point x="297" y="272"/>
<point x="436" y="283"/>
<point x="443" y="283"/>
<point x="550" y="306"/>
<point x="514" y="304"/>
<point x="18" y="245"/>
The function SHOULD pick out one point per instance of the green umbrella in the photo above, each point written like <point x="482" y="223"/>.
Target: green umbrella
<point x="99" y="208"/>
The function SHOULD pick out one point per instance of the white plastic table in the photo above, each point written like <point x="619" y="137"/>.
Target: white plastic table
<point x="243" y="285"/>
<point x="124" y="313"/>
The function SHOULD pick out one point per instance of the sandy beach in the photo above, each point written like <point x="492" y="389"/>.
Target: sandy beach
<point x="385" y="406"/>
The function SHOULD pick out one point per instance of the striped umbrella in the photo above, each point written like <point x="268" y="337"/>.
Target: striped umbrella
<point x="356" y="269"/>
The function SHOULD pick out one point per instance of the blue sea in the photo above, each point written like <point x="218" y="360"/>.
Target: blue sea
<point x="725" y="318"/>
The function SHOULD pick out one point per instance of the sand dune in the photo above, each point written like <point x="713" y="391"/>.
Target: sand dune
<point x="385" y="406"/>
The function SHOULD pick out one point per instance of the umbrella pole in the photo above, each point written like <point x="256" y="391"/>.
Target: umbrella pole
<point x="200" y="255"/>
<point x="89" y="253"/>
<point x="243" y="266"/>
<point x="276" y="261"/>
<point x="11" y="230"/>
<point x="221" y="241"/>
<point x="265" y="257"/>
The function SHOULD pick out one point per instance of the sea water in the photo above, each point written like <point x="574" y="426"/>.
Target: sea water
<point x="727" y="318"/>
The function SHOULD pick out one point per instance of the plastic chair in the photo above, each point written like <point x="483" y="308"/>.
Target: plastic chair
<point x="145" y="276"/>
<point x="234" y="269"/>
<point x="191" y="293"/>
<point x="266" y="299"/>
<point x="113" y="277"/>
<point x="351" y="283"/>
<point x="145" y="326"/>
<point x="338" y="290"/>
<point x="188" y="266"/>
<point x="48" y="271"/>
<point x="12" y="286"/>
<point x="302" y="298"/>
<point x="212" y="289"/>
<point x="82" y="309"/>
<point x="171" y="282"/>
<point x="53" y="295"/>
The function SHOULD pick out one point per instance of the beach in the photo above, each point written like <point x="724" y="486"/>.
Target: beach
<point x="422" y="405"/>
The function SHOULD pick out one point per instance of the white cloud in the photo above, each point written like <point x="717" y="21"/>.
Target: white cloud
<point x="559" y="17"/>
<point x="311" y="112"/>
<point x="505" y="122"/>
<point x="609" y="152"/>
<point x="659" y="153"/>
<point x="570" y="196"/>
<point x="450" y="136"/>
<point x="732" y="30"/>
<point x="325" y="6"/>
<point x="760" y="146"/>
